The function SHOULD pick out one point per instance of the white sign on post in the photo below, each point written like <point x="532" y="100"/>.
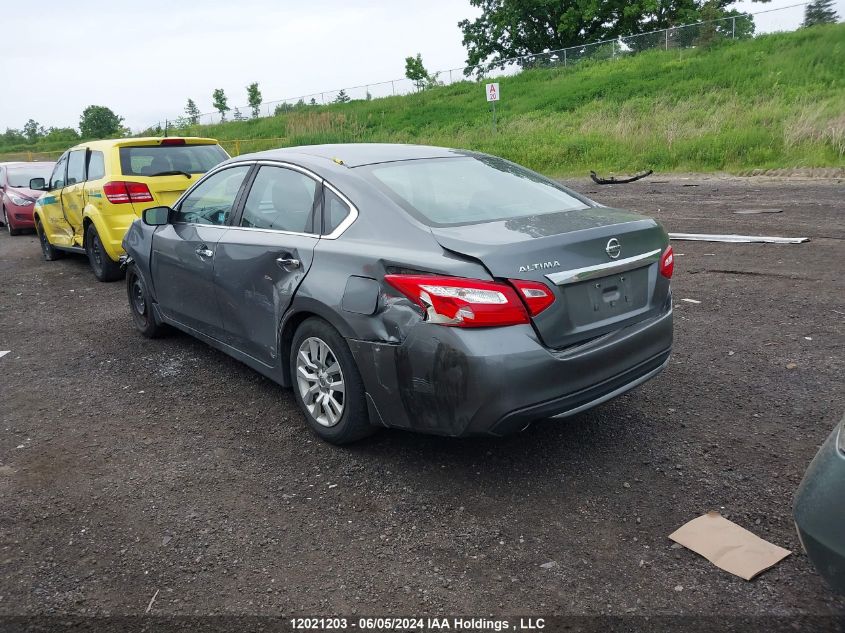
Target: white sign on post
<point x="492" y="92"/>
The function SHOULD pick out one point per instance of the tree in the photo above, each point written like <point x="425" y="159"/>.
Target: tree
<point x="416" y="72"/>
<point x="12" y="137"/>
<point x="220" y="102"/>
<point x="820" y="12"/>
<point x="520" y="28"/>
<point x="342" y="97"/>
<point x="32" y="131"/>
<point x="100" y="122"/>
<point x="193" y="112"/>
<point x="61" y="135"/>
<point x="313" y="101"/>
<point x="254" y="98"/>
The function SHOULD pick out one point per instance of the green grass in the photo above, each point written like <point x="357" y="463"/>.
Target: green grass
<point x="769" y="102"/>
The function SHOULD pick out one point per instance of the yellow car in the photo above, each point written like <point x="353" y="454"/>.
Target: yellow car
<point x="97" y="189"/>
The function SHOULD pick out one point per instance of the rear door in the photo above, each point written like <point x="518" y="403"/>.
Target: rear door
<point x="72" y="196"/>
<point x="263" y="258"/>
<point x="183" y="253"/>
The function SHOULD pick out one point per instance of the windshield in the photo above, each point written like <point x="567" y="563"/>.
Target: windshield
<point x="169" y="159"/>
<point x="469" y="190"/>
<point x="20" y="176"/>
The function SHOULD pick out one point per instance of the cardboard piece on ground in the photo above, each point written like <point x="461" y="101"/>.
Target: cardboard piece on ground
<point x="729" y="546"/>
<point x="2" y="354"/>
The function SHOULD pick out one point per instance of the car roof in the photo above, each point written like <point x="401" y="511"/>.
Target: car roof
<point x="355" y="154"/>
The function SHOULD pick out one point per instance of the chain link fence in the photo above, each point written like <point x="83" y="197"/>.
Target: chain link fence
<point x="701" y="34"/>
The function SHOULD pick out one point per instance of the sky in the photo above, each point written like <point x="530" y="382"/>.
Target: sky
<point x="144" y="60"/>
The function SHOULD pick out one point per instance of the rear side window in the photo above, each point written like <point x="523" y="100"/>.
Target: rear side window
<point x="335" y="211"/>
<point x="280" y="199"/>
<point x="469" y="190"/>
<point x="96" y="166"/>
<point x="76" y="167"/>
<point x="158" y="160"/>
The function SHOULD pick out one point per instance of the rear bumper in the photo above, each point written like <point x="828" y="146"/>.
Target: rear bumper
<point x="497" y="381"/>
<point x="820" y="513"/>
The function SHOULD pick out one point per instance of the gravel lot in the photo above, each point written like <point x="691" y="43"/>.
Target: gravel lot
<point x="130" y="466"/>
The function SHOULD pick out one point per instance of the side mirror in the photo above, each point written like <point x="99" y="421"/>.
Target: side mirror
<point x="156" y="216"/>
<point x="38" y="184"/>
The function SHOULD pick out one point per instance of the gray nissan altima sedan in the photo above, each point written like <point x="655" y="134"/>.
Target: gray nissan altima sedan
<point x="430" y="289"/>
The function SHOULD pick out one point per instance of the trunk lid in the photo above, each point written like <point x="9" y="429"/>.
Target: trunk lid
<point x="167" y="166"/>
<point x="594" y="292"/>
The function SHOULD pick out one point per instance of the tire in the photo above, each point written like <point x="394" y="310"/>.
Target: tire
<point x="322" y="346"/>
<point x="105" y="269"/>
<point x="141" y="305"/>
<point x="50" y="252"/>
<point x="9" y="226"/>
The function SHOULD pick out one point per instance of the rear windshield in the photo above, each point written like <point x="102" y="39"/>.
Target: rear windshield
<point x="469" y="190"/>
<point x="160" y="160"/>
<point x="20" y="176"/>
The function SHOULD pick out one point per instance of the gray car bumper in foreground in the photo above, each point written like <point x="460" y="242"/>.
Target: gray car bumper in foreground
<point x="497" y="381"/>
<point x="820" y="512"/>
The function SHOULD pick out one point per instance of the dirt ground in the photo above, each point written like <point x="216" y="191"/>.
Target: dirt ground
<point x="130" y="467"/>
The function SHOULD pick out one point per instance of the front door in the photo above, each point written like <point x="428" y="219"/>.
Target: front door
<point x="72" y="196"/>
<point x="184" y="252"/>
<point x="55" y="225"/>
<point x="263" y="258"/>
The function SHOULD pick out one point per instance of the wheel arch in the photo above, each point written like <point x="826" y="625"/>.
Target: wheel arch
<point x="293" y="319"/>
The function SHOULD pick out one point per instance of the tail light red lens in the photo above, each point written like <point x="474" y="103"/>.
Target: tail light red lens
<point x="461" y="302"/>
<point x="667" y="263"/>
<point x="535" y="295"/>
<point x="172" y="141"/>
<point x="121" y="192"/>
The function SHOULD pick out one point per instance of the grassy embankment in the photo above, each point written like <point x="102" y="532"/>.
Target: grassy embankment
<point x="774" y="101"/>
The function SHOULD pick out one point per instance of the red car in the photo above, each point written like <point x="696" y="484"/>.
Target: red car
<point x="16" y="198"/>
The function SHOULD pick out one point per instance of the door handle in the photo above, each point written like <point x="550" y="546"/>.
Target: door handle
<point x="288" y="262"/>
<point x="204" y="251"/>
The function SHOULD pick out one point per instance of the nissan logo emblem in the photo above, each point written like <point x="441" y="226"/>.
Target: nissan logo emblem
<point x="614" y="248"/>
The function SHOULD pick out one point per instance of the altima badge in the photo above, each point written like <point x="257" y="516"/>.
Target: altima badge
<point x="613" y="248"/>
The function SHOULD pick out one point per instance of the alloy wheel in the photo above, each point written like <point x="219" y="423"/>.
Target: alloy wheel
<point x="320" y="381"/>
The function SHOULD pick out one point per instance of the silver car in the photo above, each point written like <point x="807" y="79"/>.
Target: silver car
<point x="423" y="288"/>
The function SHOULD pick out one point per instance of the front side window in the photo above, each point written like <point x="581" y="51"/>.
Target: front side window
<point x="470" y="190"/>
<point x="57" y="180"/>
<point x="96" y="166"/>
<point x="76" y="167"/>
<point x="280" y="199"/>
<point x="168" y="160"/>
<point x="212" y="201"/>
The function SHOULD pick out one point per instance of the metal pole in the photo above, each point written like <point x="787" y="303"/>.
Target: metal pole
<point x="564" y="58"/>
<point x="393" y="88"/>
<point x="667" y="39"/>
<point x="733" y="28"/>
<point x="494" y="116"/>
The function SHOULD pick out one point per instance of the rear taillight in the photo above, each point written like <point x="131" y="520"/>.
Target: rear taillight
<point x="121" y="192"/>
<point x="667" y="263"/>
<point x="172" y="141"/>
<point x="462" y="302"/>
<point x="536" y="296"/>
